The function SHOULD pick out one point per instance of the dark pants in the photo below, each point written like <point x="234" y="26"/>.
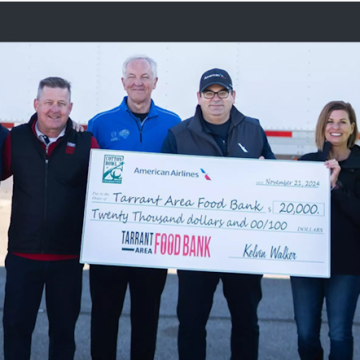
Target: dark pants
<point x="25" y="280"/>
<point x="108" y="287"/>
<point x="196" y="291"/>
<point x="341" y="293"/>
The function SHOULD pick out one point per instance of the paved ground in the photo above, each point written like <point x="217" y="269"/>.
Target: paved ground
<point x="277" y="327"/>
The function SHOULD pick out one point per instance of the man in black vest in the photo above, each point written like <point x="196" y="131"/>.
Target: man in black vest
<point x="218" y="129"/>
<point x="49" y="161"/>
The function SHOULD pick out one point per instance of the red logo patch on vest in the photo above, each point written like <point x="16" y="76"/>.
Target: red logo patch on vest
<point x="70" y="148"/>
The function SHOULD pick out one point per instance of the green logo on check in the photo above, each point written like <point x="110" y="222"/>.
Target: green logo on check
<point x="113" y="168"/>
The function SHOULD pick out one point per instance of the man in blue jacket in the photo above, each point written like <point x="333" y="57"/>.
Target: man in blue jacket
<point x="136" y="125"/>
<point x="218" y="129"/>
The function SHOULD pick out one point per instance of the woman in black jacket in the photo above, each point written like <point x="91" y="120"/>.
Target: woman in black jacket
<point x="336" y="134"/>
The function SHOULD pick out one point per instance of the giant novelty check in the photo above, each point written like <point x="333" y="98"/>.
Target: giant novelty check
<point x="207" y="213"/>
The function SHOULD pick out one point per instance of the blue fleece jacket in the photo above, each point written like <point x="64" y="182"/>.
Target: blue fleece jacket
<point x="119" y="129"/>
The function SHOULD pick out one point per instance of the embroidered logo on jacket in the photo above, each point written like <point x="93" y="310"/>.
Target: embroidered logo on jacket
<point x="242" y="148"/>
<point x="124" y="133"/>
<point x="113" y="136"/>
<point x="70" y="148"/>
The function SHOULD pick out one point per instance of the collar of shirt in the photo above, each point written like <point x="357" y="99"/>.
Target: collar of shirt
<point x="42" y="136"/>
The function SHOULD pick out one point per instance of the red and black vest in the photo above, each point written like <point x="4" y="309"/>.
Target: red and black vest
<point x="49" y="193"/>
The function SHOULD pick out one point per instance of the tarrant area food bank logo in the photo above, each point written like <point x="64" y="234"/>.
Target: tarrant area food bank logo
<point x="113" y="168"/>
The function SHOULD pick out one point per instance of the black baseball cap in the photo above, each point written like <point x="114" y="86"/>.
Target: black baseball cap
<point x="215" y="76"/>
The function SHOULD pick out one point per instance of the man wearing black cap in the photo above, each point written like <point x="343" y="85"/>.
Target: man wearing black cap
<point x="218" y="129"/>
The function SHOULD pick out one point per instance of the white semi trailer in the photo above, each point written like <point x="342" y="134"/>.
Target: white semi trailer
<point x="285" y="85"/>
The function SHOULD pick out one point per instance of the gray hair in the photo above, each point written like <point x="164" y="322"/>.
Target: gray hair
<point x="152" y="63"/>
<point x="53" y="82"/>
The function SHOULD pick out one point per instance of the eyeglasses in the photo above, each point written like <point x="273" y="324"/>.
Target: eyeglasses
<point x="222" y="94"/>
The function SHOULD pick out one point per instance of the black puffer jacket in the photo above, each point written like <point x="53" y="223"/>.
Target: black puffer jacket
<point x="345" y="214"/>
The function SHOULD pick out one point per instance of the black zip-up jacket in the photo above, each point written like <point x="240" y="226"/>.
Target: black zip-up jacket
<point x="345" y="213"/>
<point x="3" y="134"/>
<point x="246" y="138"/>
<point x="49" y="193"/>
